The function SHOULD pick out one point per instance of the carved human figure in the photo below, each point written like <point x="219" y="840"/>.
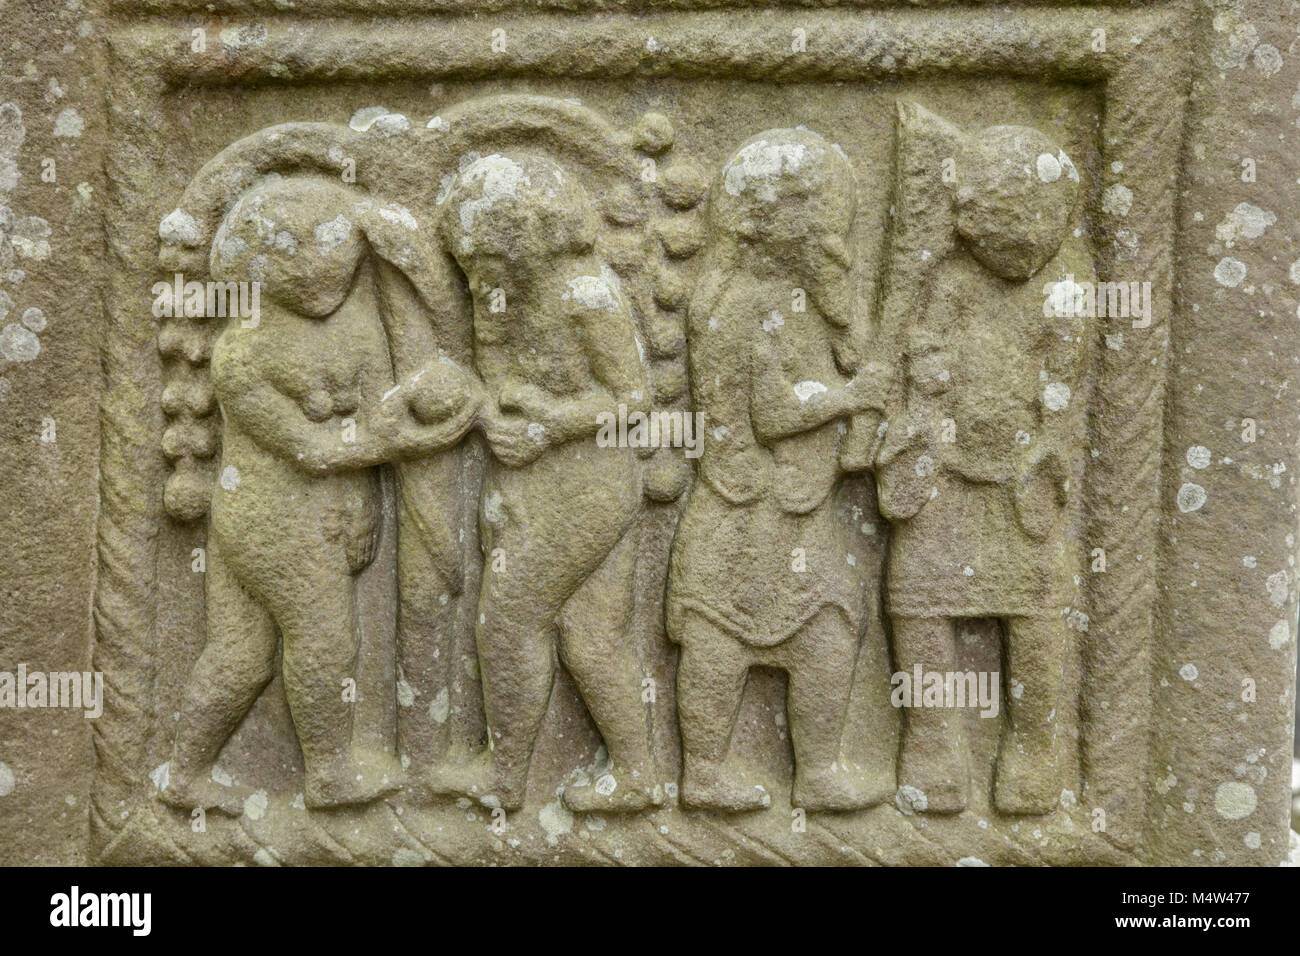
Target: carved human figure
<point x="761" y="569"/>
<point x="295" y="515"/>
<point x="555" y="345"/>
<point x="972" y="471"/>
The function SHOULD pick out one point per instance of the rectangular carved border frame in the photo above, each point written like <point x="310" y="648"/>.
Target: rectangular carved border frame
<point x="150" y="58"/>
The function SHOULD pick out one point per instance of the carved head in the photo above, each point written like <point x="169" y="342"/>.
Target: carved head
<point x="514" y="213"/>
<point x="298" y="237"/>
<point x="786" y="186"/>
<point x="1015" y="192"/>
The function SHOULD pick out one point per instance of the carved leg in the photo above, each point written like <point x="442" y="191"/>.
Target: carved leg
<point x="596" y="649"/>
<point x="429" y="579"/>
<point x="931" y="760"/>
<point x="820" y="668"/>
<point x="517" y="662"/>
<point x="317" y="620"/>
<point x="1028" y="773"/>
<point x="235" y="666"/>
<point x="710" y="683"/>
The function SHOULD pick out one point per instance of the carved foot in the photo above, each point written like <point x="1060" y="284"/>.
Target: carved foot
<point x="1028" y="781"/>
<point x="934" y="783"/>
<point x="190" y="791"/>
<point x="932" y="774"/>
<point x="614" y="791"/>
<point x="835" y="788"/>
<point x="476" y="778"/>
<point x="712" y="786"/>
<point x="355" y="779"/>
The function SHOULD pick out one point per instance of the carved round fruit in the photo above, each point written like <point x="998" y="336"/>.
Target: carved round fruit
<point x="683" y="185"/>
<point x="318" y="405"/>
<point x="671" y="289"/>
<point x="666" y="477"/>
<point x="186" y="495"/>
<point x="187" y="438"/>
<point x="437" y="394"/>
<point x="173" y="397"/>
<point x="653" y="132"/>
<point x="193" y="395"/>
<point x="199" y="397"/>
<point x="682" y="236"/>
<point x="183" y="339"/>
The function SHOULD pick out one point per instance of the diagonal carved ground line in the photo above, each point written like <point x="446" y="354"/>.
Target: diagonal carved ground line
<point x="763" y="848"/>
<point x="439" y="858"/>
<point x="828" y="833"/>
<point x="683" y="854"/>
<point x="607" y="858"/>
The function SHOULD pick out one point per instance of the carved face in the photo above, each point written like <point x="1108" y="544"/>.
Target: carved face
<point x="514" y="213"/>
<point x="785" y="186"/>
<point x="1016" y="190"/>
<point x="298" y="237"/>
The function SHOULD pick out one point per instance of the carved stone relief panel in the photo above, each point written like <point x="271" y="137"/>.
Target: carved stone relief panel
<point x="663" y="438"/>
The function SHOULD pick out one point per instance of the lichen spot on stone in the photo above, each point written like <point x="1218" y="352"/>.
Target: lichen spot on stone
<point x="759" y="163"/>
<point x="1235" y="800"/>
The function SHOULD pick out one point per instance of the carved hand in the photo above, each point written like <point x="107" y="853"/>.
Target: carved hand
<point x="515" y="439"/>
<point x="1040" y="495"/>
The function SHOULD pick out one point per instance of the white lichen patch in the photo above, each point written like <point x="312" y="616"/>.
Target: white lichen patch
<point x="29" y="237"/>
<point x="497" y="177"/>
<point x="390" y="124"/>
<point x="1244" y="222"/>
<point x="492" y="510"/>
<point x="399" y="214"/>
<point x="330" y="235"/>
<point x="1267" y="59"/>
<point x="440" y="706"/>
<point x="911" y="800"/>
<point x="556" y="821"/>
<point x="255" y="805"/>
<point x="229" y="478"/>
<point x="1278" y="586"/>
<point x="405" y="694"/>
<point x="1188" y="672"/>
<point x="1117" y="200"/>
<point x="759" y="164"/>
<point x="18" y="344"/>
<point x="365" y="117"/>
<point x="599" y="293"/>
<point x="1056" y="396"/>
<point x="1068" y="167"/>
<point x="1237" y="39"/>
<point x="1279" y="635"/>
<point x="1198" y="457"/>
<point x="1230" y="272"/>
<point x="1191" y="497"/>
<point x="7" y="781"/>
<point x="68" y="124"/>
<point x="1235" y="800"/>
<point x="178" y="228"/>
<point x="1048" y="167"/>
<point x="1065" y="298"/>
<point x="807" y="389"/>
